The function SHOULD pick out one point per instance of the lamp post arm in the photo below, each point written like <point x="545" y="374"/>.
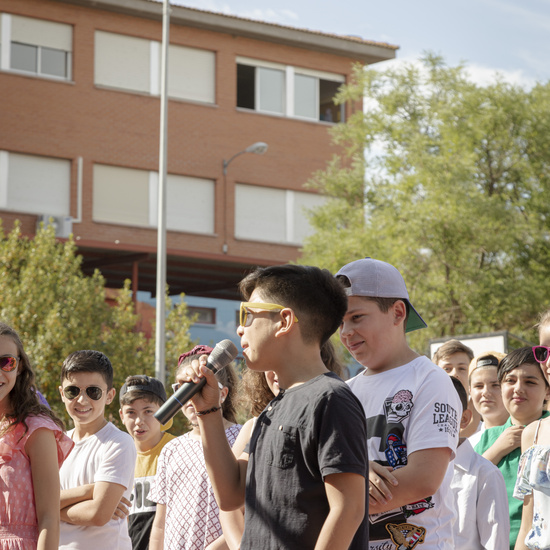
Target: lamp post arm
<point x="226" y="163"/>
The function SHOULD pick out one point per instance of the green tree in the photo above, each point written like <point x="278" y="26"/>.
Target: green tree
<point x="448" y="181"/>
<point x="57" y="309"/>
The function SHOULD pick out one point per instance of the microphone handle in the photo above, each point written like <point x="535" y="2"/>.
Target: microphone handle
<point x="178" y="400"/>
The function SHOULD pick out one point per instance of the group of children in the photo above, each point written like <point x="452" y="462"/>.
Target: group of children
<point x="384" y="461"/>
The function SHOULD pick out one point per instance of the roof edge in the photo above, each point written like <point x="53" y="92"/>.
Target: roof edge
<point x="345" y="46"/>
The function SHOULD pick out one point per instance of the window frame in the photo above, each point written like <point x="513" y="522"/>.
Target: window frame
<point x="6" y="50"/>
<point x="289" y="93"/>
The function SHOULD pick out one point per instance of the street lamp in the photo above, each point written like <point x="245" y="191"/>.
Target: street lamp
<point x="258" y="148"/>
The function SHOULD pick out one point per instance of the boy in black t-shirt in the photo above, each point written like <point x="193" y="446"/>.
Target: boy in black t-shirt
<point x="303" y="476"/>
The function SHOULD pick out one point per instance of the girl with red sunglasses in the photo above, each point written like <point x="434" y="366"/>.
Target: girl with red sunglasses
<point x="533" y="483"/>
<point x="33" y="445"/>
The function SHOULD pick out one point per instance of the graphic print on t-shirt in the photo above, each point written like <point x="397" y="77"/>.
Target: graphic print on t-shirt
<point x="390" y="429"/>
<point x="406" y="536"/>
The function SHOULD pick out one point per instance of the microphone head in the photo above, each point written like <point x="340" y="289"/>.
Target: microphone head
<point x="223" y="353"/>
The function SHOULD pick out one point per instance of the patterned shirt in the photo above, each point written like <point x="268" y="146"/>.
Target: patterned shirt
<point x="182" y="484"/>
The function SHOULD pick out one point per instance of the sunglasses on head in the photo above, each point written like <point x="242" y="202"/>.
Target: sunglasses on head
<point x="8" y="362"/>
<point x="93" y="392"/>
<point x="541" y="353"/>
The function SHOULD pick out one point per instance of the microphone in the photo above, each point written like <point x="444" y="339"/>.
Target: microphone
<point x="223" y="353"/>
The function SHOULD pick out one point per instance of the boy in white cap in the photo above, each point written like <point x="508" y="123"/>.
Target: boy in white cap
<point x="412" y="410"/>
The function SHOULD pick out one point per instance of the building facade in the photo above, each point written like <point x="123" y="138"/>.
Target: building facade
<point x="79" y="134"/>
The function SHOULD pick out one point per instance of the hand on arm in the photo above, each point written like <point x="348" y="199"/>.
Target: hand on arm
<point x="507" y="441"/>
<point x="41" y="448"/>
<point x="380" y="481"/>
<point x="123" y="509"/>
<point x="98" y="510"/>
<point x="346" y="498"/>
<point x="420" y="478"/>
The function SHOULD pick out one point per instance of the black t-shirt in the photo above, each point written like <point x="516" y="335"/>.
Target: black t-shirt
<point x="306" y="433"/>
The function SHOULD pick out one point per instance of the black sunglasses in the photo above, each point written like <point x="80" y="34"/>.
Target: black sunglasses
<point x="93" y="392"/>
<point x="8" y="362"/>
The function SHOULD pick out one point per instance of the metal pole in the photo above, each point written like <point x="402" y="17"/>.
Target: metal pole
<point x="160" y="332"/>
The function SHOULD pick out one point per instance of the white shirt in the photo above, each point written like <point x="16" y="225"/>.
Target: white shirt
<point x="411" y="408"/>
<point x="483" y="521"/>
<point x="108" y="455"/>
<point x="475" y="437"/>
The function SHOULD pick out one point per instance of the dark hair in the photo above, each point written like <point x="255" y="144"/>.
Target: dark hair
<point x="257" y="392"/>
<point x="516" y="358"/>
<point x="450" y="347"/>
<point x="461" y="390"/>
<point x="132" y="395"/>
<point x="24" y="400"/>
<point x="228" y="378"/>
<point x="88" y="361"/>
<point x="315" y="296"/>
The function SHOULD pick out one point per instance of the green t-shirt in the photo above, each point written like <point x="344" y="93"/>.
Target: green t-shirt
<point x="509" y="468"/>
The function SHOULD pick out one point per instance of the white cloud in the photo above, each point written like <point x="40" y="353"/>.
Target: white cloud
<point x="486" y="75"/>
<point x="478" y="74"/>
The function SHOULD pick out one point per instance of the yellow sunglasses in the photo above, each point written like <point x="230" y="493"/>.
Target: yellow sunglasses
<point x="245" y="319"/>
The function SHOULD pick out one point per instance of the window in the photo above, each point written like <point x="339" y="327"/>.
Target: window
<point x="33" y="184"/>
<point x="205" y="315"/>
<point x="289" y="91"/>
<point x="133" y="64"/>
<point x="284" y="221"/>
<point x="35" y="46"/>
<point x="129" y="197"/>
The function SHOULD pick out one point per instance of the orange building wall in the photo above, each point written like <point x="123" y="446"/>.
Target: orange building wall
<point x="72" y="119"/>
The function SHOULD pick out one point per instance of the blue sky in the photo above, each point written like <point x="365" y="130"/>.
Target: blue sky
<point x="508" y="36"/>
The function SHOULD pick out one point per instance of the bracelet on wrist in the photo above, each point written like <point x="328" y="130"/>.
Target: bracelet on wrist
<point x="202" y="413"/>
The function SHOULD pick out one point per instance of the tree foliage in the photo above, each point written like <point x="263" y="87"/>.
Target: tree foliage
<point x="448" y="181"/>
<point x="57" y="310"/>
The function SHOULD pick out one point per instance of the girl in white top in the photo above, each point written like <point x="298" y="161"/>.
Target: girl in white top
<point x="533" y="483"/>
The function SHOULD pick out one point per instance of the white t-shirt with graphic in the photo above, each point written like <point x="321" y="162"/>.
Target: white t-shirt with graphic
<point x="411" y="408"/>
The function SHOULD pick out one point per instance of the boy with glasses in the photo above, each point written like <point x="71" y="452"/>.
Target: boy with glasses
<point x="98" y="475"/>
<point x="302" y="477"/>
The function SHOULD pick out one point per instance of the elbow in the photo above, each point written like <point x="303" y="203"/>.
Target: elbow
<point x="430" y="487"/>
<point x="100" y="519"/>
<point x="229" y="505"/>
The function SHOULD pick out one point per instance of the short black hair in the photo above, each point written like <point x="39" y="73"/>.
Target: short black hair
<point x="461" y="390"/>
<point x="516" y="358"/>
<point x="88" y="361"/>
<point x="316" y="297"/>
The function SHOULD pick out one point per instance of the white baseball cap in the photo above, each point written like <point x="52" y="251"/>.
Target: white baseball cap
<point x="377" y="279"/>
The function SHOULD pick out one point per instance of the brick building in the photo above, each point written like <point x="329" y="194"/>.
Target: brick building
<point x="79" y="134"/>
